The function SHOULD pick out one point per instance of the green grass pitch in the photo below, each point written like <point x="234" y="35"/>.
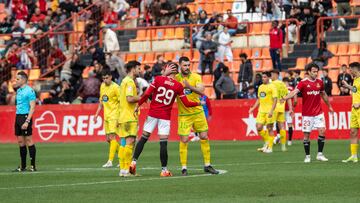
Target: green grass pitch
<point x="73" y="173"/>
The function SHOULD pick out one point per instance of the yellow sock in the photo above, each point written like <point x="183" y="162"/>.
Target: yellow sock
<point x="183" y="149"/>
<point x="271" y="141"/>
<point x="128" y="155"/>
<point x="282" y="136"/>
<point x="205" y="148"/>
<point x="121" y="155"/>
<point x="354" y="149"/>
<point x="264" y="135"/>
<point x="113" y="147"/>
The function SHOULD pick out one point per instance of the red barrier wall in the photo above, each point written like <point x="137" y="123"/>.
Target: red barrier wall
<point x="230" y="121"/>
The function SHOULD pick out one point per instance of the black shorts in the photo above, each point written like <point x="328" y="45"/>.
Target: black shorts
<point x="19" y="121"/>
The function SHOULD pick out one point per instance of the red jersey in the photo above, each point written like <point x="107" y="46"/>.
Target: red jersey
<point x="276" y="38"/>
<point x="164" y="91"/>
<point x="310" y="90"/>
<point x="290" y="89"/>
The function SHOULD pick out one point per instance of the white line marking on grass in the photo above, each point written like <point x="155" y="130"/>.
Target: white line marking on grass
<point x="133" y="179"/>
<point x="77" y="170"/>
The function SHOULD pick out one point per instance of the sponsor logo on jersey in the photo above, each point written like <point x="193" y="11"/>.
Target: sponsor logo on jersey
<point x="317" y="85"/>
<point x="105" y="98"/>
<point x="187" y="91"/>
<point x="313" y="93"/>
<point x="262" y="94"/>
<point x="354" y="89"/>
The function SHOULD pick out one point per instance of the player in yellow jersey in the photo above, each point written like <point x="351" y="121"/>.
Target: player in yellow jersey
<point x="127" y="120"/>
<point x="279" y="113"/>
<point x="355" y="111"/>
<point x="192" y="117"/>
<point x="267" y="99"/>
<point x="109" y="100"/>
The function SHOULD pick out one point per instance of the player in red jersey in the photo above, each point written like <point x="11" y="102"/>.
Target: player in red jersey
<point x="164" y="90"/>
<point x="312" y="90"/>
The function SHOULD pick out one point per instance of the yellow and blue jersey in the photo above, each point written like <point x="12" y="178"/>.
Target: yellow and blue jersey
<point x="266" y="94"/>
<point x="127" y="88"/>
<point x="110" y="99"/>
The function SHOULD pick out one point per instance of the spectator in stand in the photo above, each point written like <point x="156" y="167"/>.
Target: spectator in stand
<point x="276" y="40"/>
<point x="207" y="50"/>
<point x="65" y="73"/>
<point x="98" y="68"/>
<point x="5" y="71"/>
<point x="224" y="48"/>
<point x="110" y="18"/>
<point x="21" y="14"/>
<point x="250" y="6"/>
<point x="270" y="9"/>
<point x="54" y="92"/>
<point x="296" y="79"/>
<point x="182" y="14"/>
<point x="29" y="31"/>
<point x="25" y="60"/>
<point x="6" y="25"/>
<point x="97" y="55"/>
<point x="250" y="93"/>
<point x="67" y="94"/>
<point x="158" y="66"/>
<point x="68" y="7"/>
<point x="89" y="89"/>
<point x="147" y="74"/>
<point x="91" y="30"/>
<point x="245" y="76"/>
<point x="120" y="7"/>
<point x="166" y="13"/>
<point x="111" y="43"/>
<point x="320" y="56"/>
<point x="56" y="56"/>
<point x="217" y="75"/>
<point x="226" y="85"/>
<point x="231" y="23"/>
<point x="344" y="75"/>
<point x="192" y="20"/>
<point x="77" y="69"/>
<point x="17" y="32"/>
<point x="42" y="59"/>
<point x="203" y="18"/>
<point x="294" y="13"/>
<point x="343" y="7"/>
<point x="257" y="82"/>
<point x="141" y="85"/>
<point x="308" y="26"/>
<point x="37" y="17"/>
<point x="327" y="82"/>
<point x="117" y="66"/>
<point x="12" y="55"/>
<point x="287" y="5"/>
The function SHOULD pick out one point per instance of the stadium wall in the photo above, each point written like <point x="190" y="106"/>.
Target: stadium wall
<point x="230" y="121"/>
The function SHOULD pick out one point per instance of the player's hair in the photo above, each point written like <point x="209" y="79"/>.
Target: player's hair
<point x="147" y="67"/>
<point x="309" y="66"/>
<point x="325" y="70"/>
<point x="106" y="72"/>
<point x="286" y="79"/>
<point x="267" y="73"/>
<point x="131" y="65"/>
<point x="297" y="72"/>
<point x="275" y="71"/>
<point x="23" y="75"/>
<point x="172" y="64"/>
<point x="355" y="65"/>
<point x="183" y="58"/>
<point x="243" y="55"/>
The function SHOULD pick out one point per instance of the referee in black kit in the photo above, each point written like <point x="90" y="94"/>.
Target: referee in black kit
<point x="25" y="107"/>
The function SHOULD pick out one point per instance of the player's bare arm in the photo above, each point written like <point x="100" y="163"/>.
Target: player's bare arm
<point x="273" y="107"/>
<point x="199" y="89"/>
<point x="292" y="94"/>
<point x="31" y="112"/>
<point x="251" y="110"/>
<point x="326" y="100"/>
<point x="290" y="105"/>
<point x="100" y="106"/>
<point x="132" y="99"/>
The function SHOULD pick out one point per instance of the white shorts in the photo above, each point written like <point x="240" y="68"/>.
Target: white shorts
<point x="163" y="125"/>
<point x="288" y="117"/>
<point x="310" y="123"/>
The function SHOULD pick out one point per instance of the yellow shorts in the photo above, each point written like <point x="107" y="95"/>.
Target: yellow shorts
<point x="355" y="118"/>
<point x="197" y="121"/>
<point x="111" y="127"/>
<point x="128" y="129"/>
<point x="263" y="118"/>
<point x="279" y="117"/>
